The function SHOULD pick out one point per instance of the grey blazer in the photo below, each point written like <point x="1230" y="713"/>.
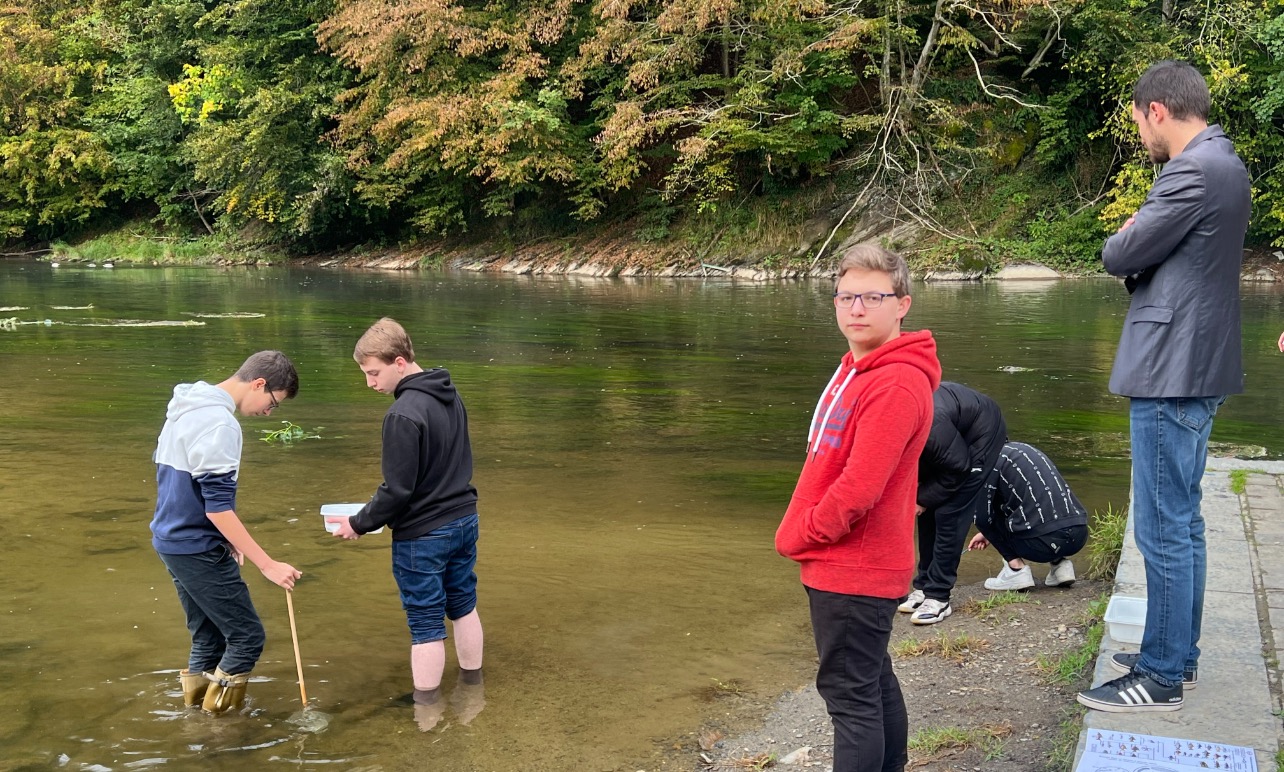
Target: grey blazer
<point x="1182" y="255"/>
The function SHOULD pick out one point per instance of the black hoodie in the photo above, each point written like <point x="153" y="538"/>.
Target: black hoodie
<point x="967" y="436"/>
<point x="427" y="460"/>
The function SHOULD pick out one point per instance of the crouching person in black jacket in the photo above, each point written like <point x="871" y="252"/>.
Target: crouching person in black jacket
<point x="1032" y="516"/>
<point x="968" y="432"/>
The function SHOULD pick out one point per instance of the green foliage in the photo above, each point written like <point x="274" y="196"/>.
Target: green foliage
<point x="991" y="603"/>
<point x="148" y="247"/>
<point x="1105" y="543"/>
<point x="289" y="434"/>
<point x="312" y="123"/>
<point x="1239" y="480"/>
<point x="53" y="172"/>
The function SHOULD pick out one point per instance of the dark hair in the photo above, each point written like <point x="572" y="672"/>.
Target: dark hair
<point x="1176" y="85"/>
<point x="872" y="257"/>
<point x="273" y="367"/>
<point x="385" y="340"/>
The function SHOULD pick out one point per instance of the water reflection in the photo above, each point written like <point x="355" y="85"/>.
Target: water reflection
<point x="636" y="444"/>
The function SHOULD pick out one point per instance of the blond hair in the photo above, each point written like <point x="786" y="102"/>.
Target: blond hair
<point x="386" y="340"/>
<point x="872" y="257"/>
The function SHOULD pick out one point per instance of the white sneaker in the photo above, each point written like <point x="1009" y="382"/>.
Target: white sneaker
<point x="931" y="611"/>
<point x="1060" y="574"/>
<point x="1008" y="579"/>
<point x="914" y="600"/>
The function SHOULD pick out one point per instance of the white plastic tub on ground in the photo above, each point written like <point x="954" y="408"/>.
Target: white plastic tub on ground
<point x="341" y="510"/>
<point x="1126" y="618"/>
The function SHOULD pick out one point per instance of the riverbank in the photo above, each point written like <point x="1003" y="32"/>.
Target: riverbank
<point x="599" y="258"/>
<point x="1001" y="696"/>
<point x="990" y="688"/>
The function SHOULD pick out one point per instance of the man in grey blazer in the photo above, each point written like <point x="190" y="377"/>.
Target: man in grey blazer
<point x="1178" y="359"/>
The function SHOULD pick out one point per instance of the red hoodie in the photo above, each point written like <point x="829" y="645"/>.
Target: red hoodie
<point x="850" y="523"/>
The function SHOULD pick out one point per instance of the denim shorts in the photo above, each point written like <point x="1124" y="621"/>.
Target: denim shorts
<point x="435" y="576"/>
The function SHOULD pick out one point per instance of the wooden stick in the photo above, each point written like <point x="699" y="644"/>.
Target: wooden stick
<point x="294" y="635"/>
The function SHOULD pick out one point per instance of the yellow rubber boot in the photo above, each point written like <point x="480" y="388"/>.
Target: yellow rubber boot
<point x="194" y="687"/>
<point x="225" y="692"/>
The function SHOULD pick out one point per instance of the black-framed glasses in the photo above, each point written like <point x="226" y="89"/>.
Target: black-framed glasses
<point x="869" y="300"/>
<point x="275" y="404"/>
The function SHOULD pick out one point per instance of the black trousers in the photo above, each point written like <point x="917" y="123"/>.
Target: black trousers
<point x="1049" y="548"/>
<point x="942" y="533"/>
<point x="857" y="683"/>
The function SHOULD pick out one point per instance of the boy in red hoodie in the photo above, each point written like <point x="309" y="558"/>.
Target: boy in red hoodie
<point x="850" y="523"/>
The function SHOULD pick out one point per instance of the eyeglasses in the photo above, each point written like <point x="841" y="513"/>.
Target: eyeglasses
<point x="869" y="300"/>
<point x="275" y="404"/>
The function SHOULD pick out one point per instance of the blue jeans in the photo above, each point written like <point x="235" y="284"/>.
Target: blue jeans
<point x="435" y="576"/>
<point x="1169" y="450"/>
<point x="226" y="630"/>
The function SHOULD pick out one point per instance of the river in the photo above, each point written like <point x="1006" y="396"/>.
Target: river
<point x="636" y="442"/>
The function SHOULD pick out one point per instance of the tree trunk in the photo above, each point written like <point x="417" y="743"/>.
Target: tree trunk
<point x="726" y="48"/>
<point x="929" y="48"/>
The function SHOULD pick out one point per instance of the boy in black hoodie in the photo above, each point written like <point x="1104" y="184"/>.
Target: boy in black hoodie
<point x="428" y="500"/>
<point x="967" y="436"/>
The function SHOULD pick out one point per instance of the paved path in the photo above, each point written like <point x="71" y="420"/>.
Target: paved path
<point x="1237" y="700"/>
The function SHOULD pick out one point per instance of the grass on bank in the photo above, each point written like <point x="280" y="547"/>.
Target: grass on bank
<point x="146" y="246"/>
<point x="981" y="607"/>
<point x="931" y="743"/>
<point x="1074" y="665"/>
<point x="1061" y="754"/>
<point x="957" y="647"/>
<point x="1105" y="543"/>
<point x="1074" y="669"/>
<point x="1239" y="480"/>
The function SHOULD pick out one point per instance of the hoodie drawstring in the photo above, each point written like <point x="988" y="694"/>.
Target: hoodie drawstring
<point x="818" y="430"/>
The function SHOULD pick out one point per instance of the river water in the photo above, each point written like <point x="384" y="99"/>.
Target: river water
<point x="636" y="443"/>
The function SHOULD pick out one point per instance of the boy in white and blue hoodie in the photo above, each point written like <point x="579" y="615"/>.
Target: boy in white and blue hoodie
<point x="197" y="533"/>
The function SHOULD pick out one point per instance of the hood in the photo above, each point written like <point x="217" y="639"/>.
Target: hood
<point x="917" y="349"/>
<point x="435" y="382"/>
<point x="194" y="396"/>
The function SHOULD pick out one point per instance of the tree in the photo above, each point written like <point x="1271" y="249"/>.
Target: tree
<point x="53" y="172"/>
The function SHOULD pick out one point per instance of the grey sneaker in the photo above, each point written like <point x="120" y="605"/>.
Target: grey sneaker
<point x="931" y="611"/>
<point x="1021" y="579"/>
<point x="1124" y="663"/>
<point x="1060" y="574"/>
<point x="911" y="603"/>
<point x="1133" y="693"/>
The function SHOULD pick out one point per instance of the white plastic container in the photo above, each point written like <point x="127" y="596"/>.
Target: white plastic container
<point x="341" y="510"/>
<point x="1126" y="618"/>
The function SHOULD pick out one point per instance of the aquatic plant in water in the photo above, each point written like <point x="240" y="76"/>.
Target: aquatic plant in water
<point x="289" y="434"/>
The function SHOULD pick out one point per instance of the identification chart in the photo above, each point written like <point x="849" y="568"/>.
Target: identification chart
<point x="1130" y="752"/>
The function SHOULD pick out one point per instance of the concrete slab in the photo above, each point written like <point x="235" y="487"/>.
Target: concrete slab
<point x="1234" y="701"/>
<point x="1131" y="571"/>
<point x="1273" y="576"/>
<point x="1230" y="568"/>
<point x="1261" y="465"/>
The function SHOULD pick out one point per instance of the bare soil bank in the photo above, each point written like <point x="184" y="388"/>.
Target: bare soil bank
<point x="990" y="705"/>
<point x="611" y="257"/>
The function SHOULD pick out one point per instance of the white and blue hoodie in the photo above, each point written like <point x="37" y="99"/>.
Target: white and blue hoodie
<point x="197" y="460"/>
